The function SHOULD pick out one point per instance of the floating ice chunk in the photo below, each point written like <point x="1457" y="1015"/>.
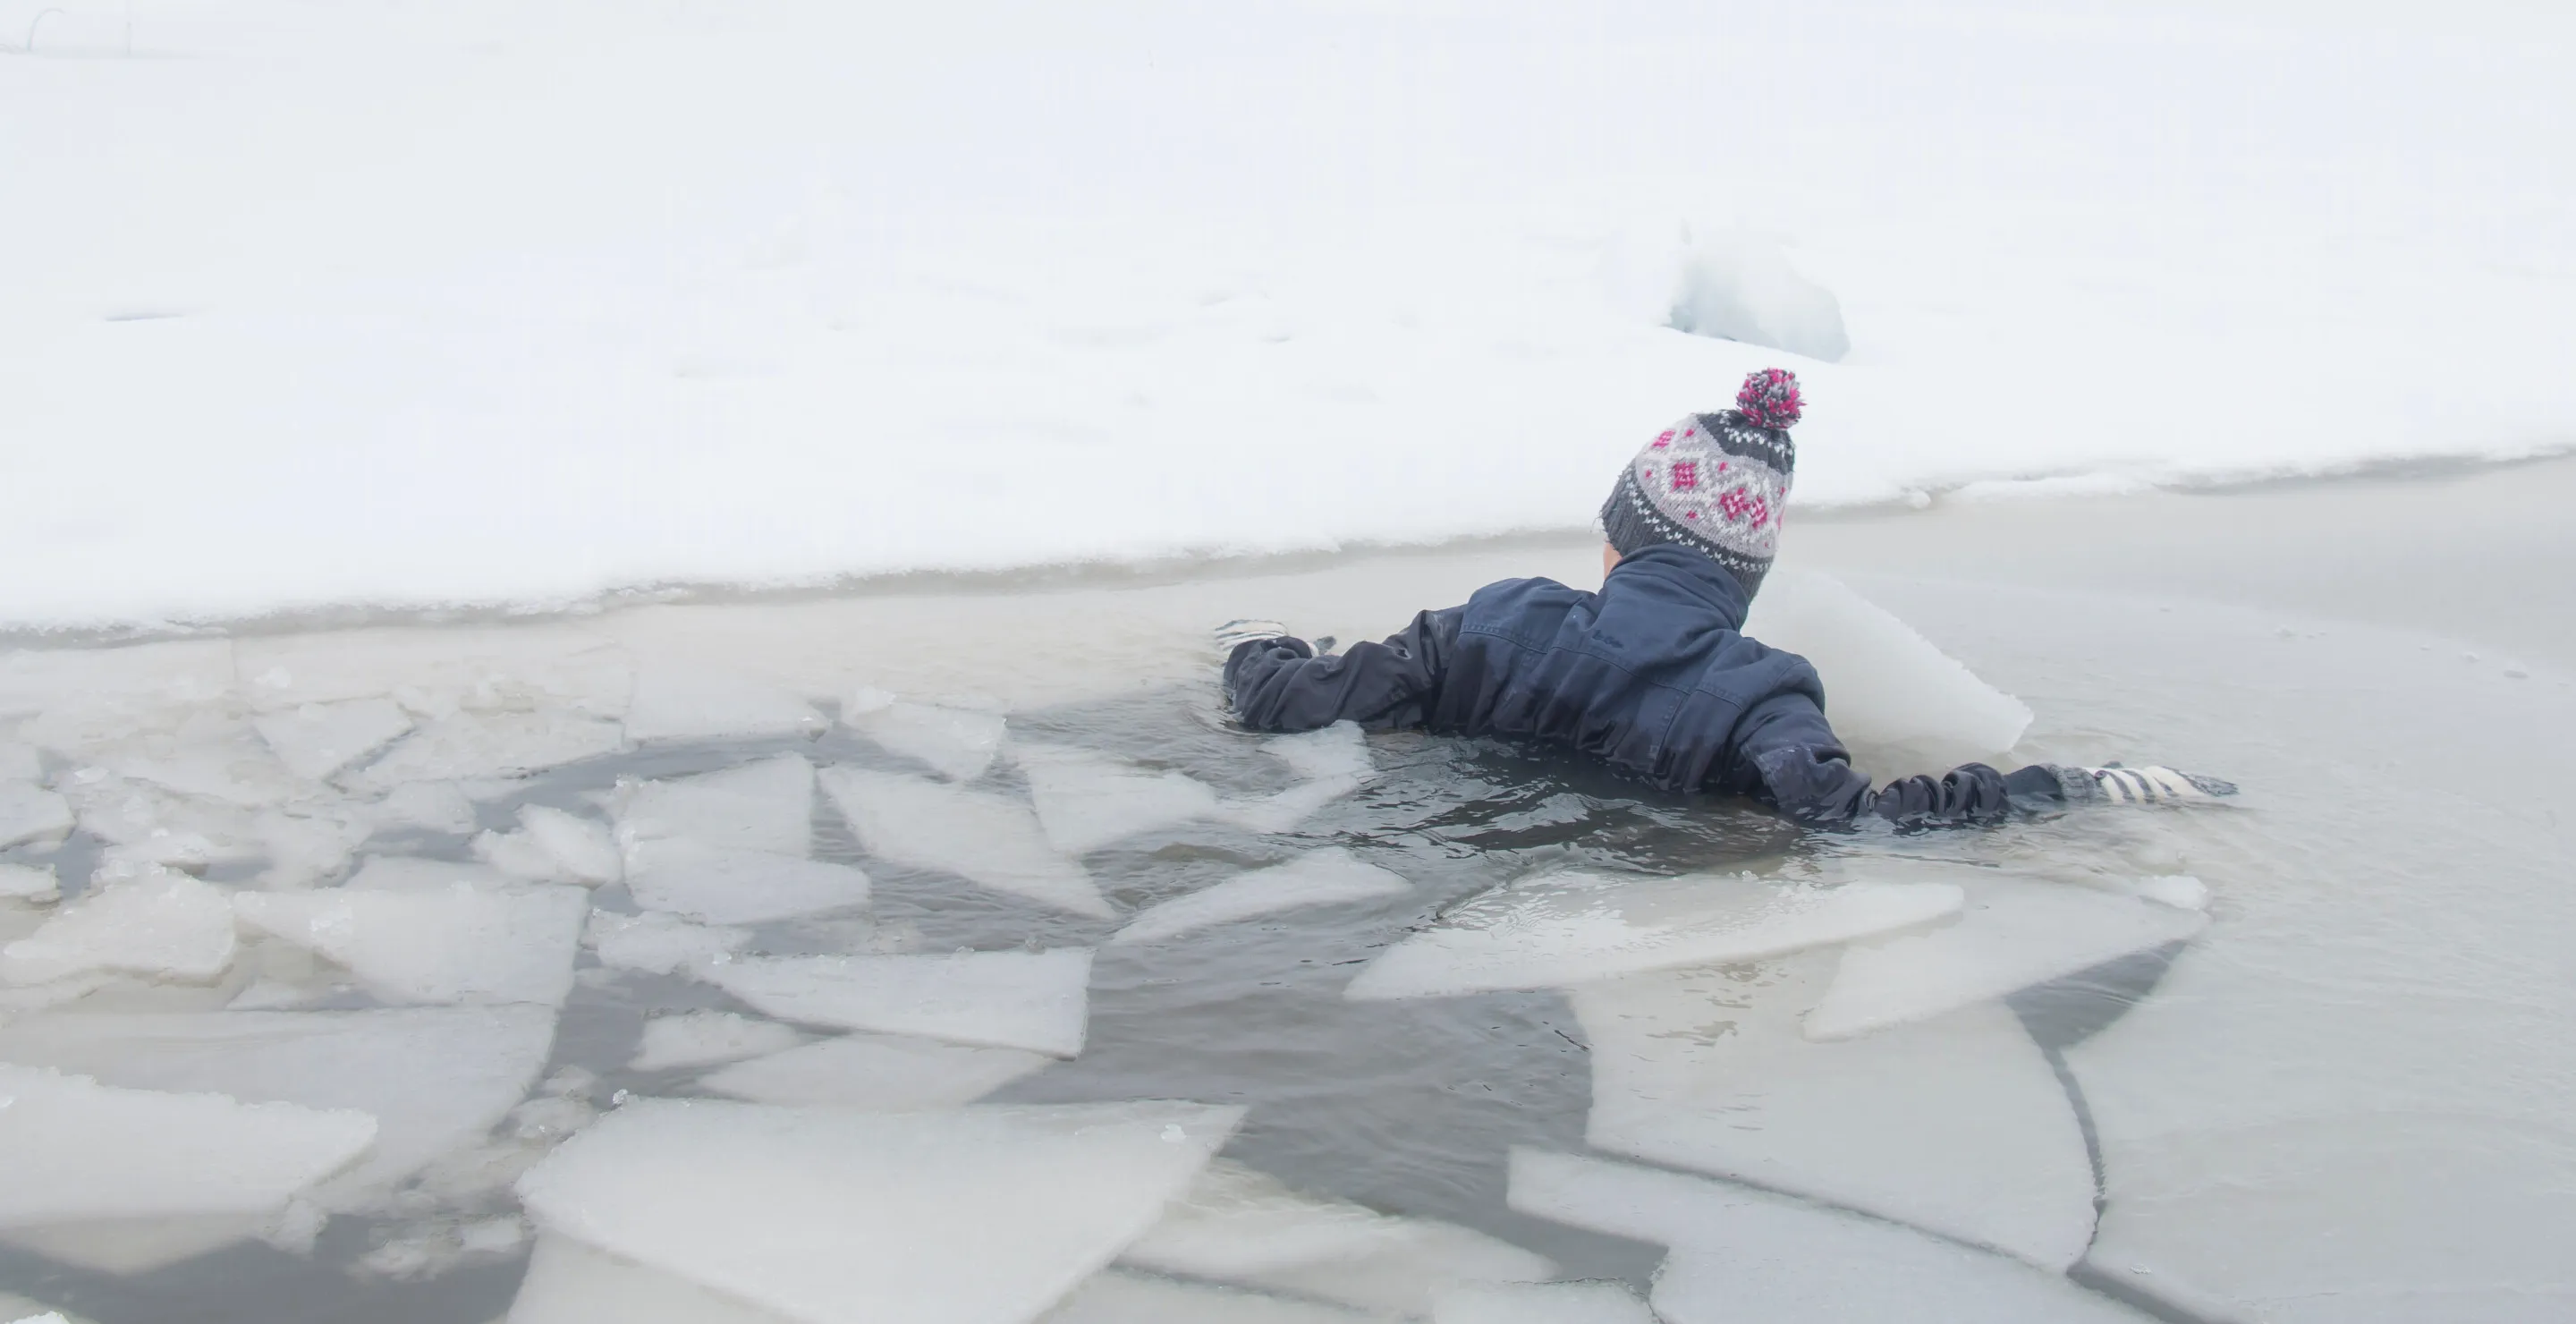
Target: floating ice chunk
<point x="1564" y="929"/>
<point x="675" y="701"/>
<point x="305" y="848"/>
<point x="581" y="846"/>
<point x="1086" y="801"/>
<point x="431" y="806"/>
<point x="726" y="886"/>
<point x="460" y="943"/>
<point x="881" y="1073"/>
<point x="161" y="925"/>
<point x="1319" y="878"/>
<point x="1033" y="1000"/>
<point x="439" y="670"/>
<point x="1339" y="750"/>
<point x="570" y="1283"/>
<point x="20" y="762"/>
<point x="1590" y="1302"/>
<point x="1902" y="704"/>
<point x="974" y="834"/>
<point x="1114" y="1297"/>
<point x="315" y="740"/>
<point x="1743" y="1254"/>
<point x="405" y="873"/>
<point x="660" y="944"/>
<point x="957" y="743"/>
<point x="1334" y="761"/>
<point x="434" y="1078"/>
<point x="29" y="812"/>
<point x="2179" y="890"/>
<point x="1238" y="1225"/>
<point x="765" y="806"/>
<point x="77" y="1151"/>
<point x="2011" y="934"/>
<point x="835" y="1216"/>
<point x="26" y="882"/>
<point x="178" y="673"/>
<point x="706" y="1038"/>
<point x="492" y="745"/>
<point x="225" y="765"/>
<point x="1958" y="1125"/>
<point x="519" y="856"/>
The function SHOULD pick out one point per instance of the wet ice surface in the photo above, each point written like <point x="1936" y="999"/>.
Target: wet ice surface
<point x="783" y="1009"/>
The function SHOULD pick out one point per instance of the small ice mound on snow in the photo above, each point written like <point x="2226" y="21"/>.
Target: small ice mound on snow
<point x="1726" y="283"/>
<point x="957" y="743"/>
<point x="315" y="740"/>
<point x="1743" y="1254"/>
<point x="79" y="1152"/>
<point x="460" y="943"/>
<point x="1902" y="704"/>
<point x="27" y="882"/>
<point x="1241" y="1226"/>
<point x="677" y="701"/>
<point x="2011" y="934"/>
<point x="1319" y="878"/>
<point x="1039" y="1001"/>
<point x="835" y="1216"/>
<point x="570" y="1283"/>
<point x="1560" y="930"/>
<point x="29" y="812"/>
<point x="981" y="837"/>
<point x="1540" y="1303"/>
<point x="162" y="925"/>
<point x="508" y="744"/>
<point x="764" y="806"/>
<point x="880" y="1073"/>
<point x="1114" y="1297"/>
<point x="708" y="1038"/>
<point x="1086" y="801"/>
<point x="1958" y="1125"/>
<point x="659" y="944"/>
<point x="436" y="1079"/>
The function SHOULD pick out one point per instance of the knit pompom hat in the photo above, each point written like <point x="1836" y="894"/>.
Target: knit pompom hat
<point x="1716" y="482"/>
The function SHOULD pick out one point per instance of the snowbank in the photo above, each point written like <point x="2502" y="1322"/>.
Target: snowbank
<point x="417" y="304"/>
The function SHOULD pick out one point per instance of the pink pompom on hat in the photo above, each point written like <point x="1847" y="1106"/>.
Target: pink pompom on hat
<point x="1716" y="482"/>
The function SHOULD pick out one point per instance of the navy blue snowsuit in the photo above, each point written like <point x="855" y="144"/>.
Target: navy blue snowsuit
<point x="1651" y="675"/>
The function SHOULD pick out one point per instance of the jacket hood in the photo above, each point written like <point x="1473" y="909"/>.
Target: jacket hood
<point x="1685" y="576"/>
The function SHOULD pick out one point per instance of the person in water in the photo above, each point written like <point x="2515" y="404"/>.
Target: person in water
<point x="1653" y="674"/>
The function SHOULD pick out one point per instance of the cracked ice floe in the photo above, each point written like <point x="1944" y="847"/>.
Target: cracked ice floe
<point x="570" y="1283"/>
<point x="315" y="740"/>
<point x="439" y="670"/>
<point x="427" y="806"/>
<point x="581" y="847"/>
<point x="880" y="1073"/>
<point x="20" y="762"/>
<point x="1039" y="1001"/>
<point x="1324" y="877"/>
<point x="1116" y="1297"/>
<point x="161" y="925"/>
<point x="469" y="744"/>
<point x="434" y="1078"/>
<point x="1905" y="705"/>
<point x="29" y="812"/>
<point x="26" y="882"/>
<point x="1559" y="930"/>
<point x="1743" y="1254"/>
<point x="684" y="701"/>
<point x="1086" y="801"/>
<point x="979" y="836"/>
<point x="1334" y="762"/>
<point x="405" y="873"/>
<point x="655" y="943"/>
<point x="767" y="805"/>
<point x="1958" y="1125"/>
<point x="1590" y="1302"/>
<point x="458" y="943"/>
<point x="1241" y="1226"/>
<point x="2011" y="933"/>
<point x="957" y="743"/>
<point x="707" y="1038"/>
<point x="730" y="847"/>
<point x="835" y="1216"/>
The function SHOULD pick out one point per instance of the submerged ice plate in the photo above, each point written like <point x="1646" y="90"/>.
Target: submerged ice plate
<point x="1032" y="1000"/>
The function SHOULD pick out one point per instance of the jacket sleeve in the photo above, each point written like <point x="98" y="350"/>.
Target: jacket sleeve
<point x="1281" y="685"/>
<point x="1788" y="755"/>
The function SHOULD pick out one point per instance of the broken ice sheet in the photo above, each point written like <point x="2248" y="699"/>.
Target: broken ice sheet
<point x="1333" y="762"/>
<point x="1559" y="930"/>
<point x="659" y="944"/>
<point x="706" y="1038"/>
<point x="27" y="882"/>
<point x="766" y="805"/>
<point x="406" y="873"/>
<point x="1902" y="703"/>
<point x="1319" y="878"/>
<point x="570" y="1283"/>
<point x="957" y="743"/>
<point x="677" y="700"/>
<point x="982" y="837"/>
<point x="435" y="1079"/>
<point x="835" y="1216"/>
<point x="880" y="1073"/>
<point x="581" y="847"/>
<point x="1087" y="800"/>
<point x="1743" y="1254"/>
<point x="722" y="885"/>
<point x="1238" y="1225"/>
<point x="1958" y="1125"/>
<point x="458" y="943"/>
<point x="505" y="744"/>
<point x="162" y="924"/>
<point x="1038" y="1001"/>
<point x="425" y="806"/>
<point x="315" y="740"/>
<point x="438" y="670"/>
<point x="1116" y="1297"/>
<point x="1591" y="1302"/>
<point x="2011" y="933"/>
<point x="29" y="812"/>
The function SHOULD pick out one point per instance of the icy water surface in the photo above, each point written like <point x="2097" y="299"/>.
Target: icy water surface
<point x="1009" y="984"/>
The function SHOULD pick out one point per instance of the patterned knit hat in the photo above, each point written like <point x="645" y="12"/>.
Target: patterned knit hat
<point x="1716" y="482"/>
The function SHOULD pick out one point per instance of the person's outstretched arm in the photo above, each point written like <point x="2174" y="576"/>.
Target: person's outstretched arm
<point x="1280" y="684"/>
<point x="1787" y="754"/>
